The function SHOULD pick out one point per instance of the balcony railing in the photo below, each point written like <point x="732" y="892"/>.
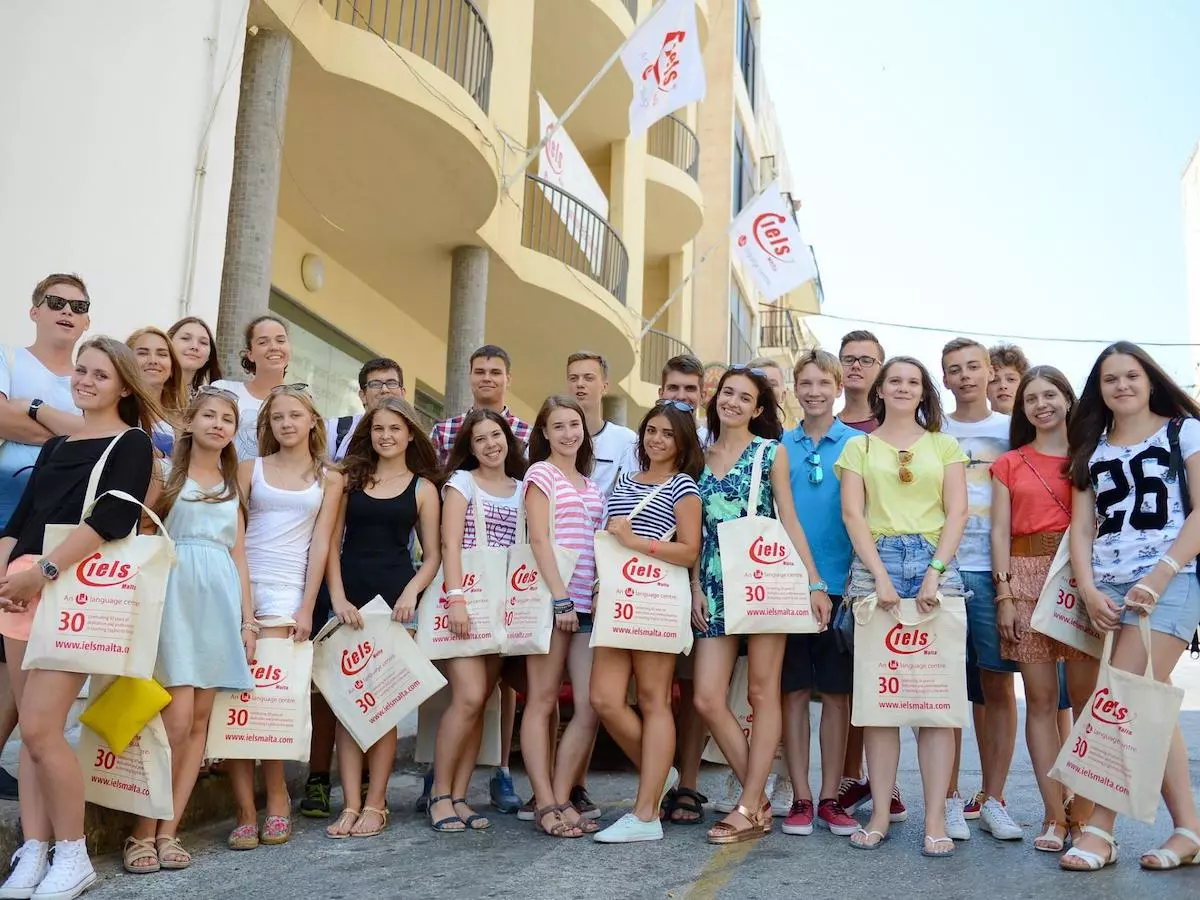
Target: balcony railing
<point x="451" y="34"/>
<point x="562" y="226"/>
<point x="669" y="138"/>
<point x="657" y="348"/>
<point x="778" y="329"/>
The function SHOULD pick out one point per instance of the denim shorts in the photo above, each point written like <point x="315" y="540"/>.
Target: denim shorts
<point x="585" y="622"/>
<point x="906" y="558"/>
<point x="981" y="623"/>
<point x="1177" y="610"/>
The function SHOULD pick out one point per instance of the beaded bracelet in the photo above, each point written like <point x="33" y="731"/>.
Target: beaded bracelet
<point x="562" y="607"/>
<point x="252" y="627"/>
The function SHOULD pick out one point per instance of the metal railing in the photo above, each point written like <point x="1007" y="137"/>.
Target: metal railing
<point x="740" y="348"/>
<point x="560" y="225"/>
<point x="778" y="329"/>
<point x="450" y="34"/>
<point x="657" y="348"/>
<point x="632" y="5"/>
<point x="670" y="139"/>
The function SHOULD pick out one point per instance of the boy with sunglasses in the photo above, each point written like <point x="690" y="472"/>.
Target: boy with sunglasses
<point x="814" y="661"/>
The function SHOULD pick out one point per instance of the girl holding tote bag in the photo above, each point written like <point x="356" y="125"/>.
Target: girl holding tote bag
<point x="118" y="415"/>
<point x="904" y="501"/>
<point x="653" y="513"/>
<point x="743" y="422"/>
<point x="1136" y="473"/>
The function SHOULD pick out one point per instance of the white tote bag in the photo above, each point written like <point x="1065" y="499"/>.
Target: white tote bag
<point x="910" y="669"/>
<point x="271" y="721"/>
<point x="1060" y="612"/>
<point x="430" y="715"/>
<point x="137" y="781"/>
<point x="529" y="609"/>
<point x="642" y="603"/>
<point x="1117" y="752"/>
<point x="374" y="676"/>
<point x="484" y="570"/>
<point x="102" y="616"/>
<point x="766" y="584"/>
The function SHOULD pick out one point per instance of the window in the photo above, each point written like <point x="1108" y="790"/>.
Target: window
<point x="743" y="168"/>
<point x="428" y="406"/>
<point x="747" y="51"/>
<point x="741" y="326"/>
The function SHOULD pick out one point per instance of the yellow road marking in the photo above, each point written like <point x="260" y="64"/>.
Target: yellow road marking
<point x="716" y="873"/>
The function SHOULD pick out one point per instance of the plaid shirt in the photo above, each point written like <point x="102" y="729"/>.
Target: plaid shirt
<point x="445" y="433"/>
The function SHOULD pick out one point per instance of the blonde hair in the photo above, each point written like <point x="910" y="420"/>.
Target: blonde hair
<point x="174" y="392"/>
<point x="181" y="457"/>
<point x="268" y="443"/>
<point x="823" y="360"/>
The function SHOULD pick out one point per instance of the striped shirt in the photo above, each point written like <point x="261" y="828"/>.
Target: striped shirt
<point x="577" y="517"/>
<point x="658" y="516"/>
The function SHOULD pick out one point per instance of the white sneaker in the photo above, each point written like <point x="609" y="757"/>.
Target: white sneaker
<point x="733" y="794"/>
<point x="629" y="829"/>
<point x="70" y="874"/>
<point x="956" y="825"/>
<point x="782" y="797"/>
<point x="29" y="868"/>
<point x="994" y="817"/>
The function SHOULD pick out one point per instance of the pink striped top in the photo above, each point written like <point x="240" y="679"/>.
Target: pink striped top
<point x="578" y="515"/>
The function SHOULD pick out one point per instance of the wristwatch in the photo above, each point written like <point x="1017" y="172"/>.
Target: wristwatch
<point x="49" y="569"/>
<point x="938" y="566"/>
<point x="34" y="405"/>
<point x="818" y="586"/>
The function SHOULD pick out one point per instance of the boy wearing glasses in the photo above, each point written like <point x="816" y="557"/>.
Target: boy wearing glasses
<point x="377" y="378"/>
<point x="861" y="355"/>
<point x="814" y="661"/>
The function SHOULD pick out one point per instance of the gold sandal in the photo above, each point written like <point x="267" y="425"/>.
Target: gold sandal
<point x="334" y="831"/>
<point x="168" y="845"/>
<point x="728" y="833"/>
<point x="140" y="848"/>
<point x="383" y="821"/>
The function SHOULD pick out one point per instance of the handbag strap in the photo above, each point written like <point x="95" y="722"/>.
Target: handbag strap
<point x="756" y="480"/>
<point x="870" y="603"/>
<point x="129" y="498"/>
<point x="477" y="514"/>
<point x="523" y="525"/>
<point x="89" y="497"/>
<point x="1049" y="490"/>
<point x="645" y="501"/>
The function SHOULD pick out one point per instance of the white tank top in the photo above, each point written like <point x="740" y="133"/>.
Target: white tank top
<point x="279" y="530"/>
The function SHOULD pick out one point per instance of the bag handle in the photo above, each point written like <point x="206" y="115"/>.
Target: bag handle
<point x="870" y="604"/>
<point x="645" y="501"/>
<point x="90" y="498"/>
<point x="1144" y="631"/>
<point x="523" y="525"/>
<point x="477" y="511"/>
<point x="129" y="498"/>
<point x="756" y="479"/>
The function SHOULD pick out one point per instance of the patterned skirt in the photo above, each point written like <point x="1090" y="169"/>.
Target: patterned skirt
<point x="1028" y="577"/>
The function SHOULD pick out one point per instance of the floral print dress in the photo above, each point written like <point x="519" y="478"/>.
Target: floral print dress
<point x="725" y="499"/>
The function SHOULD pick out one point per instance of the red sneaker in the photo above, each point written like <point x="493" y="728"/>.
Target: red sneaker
<point x="800" y="819"/>
<point x="898" y="812"/>
<point x="852" y="794"/>
<point x="974" y="806"/>
<point x="837" y="820"/>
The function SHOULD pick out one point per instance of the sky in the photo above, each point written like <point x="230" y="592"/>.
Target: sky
<point x="992" y="167"/>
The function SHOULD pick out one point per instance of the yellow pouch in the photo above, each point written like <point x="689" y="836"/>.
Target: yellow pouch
<point x="124" y="709"/>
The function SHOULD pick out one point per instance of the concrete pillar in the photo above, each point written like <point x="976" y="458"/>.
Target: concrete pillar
<point x="616" y="409"/>
<point x="468" y="316"/>
<point x="254" y="193"/>
<point x="627" y="210"/>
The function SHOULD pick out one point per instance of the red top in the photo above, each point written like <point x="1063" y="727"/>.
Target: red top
<point x="1033" y="508"/>
<point x="866" y="426"/>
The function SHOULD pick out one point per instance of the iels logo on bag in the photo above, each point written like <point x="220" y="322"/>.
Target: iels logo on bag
<point x="354" y="661"/>
<point x="1110" y="710"/>
<point x="906" y="640"/>
<point x="641" y="572"/>
<point x="468" y="582"/>
<point x="95" y="571"/>
<point x="768" y="553"/>
<point x="524" y="579"/>
<point x="265" y="676"/>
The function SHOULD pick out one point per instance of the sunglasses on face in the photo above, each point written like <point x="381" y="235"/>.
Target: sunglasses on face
<point x="211" y="391"/>
<point x="816" y="474"/>
<point x="865" y="362"/>
<point x="58" y="304"/>
<point x="905" y="473"/>
<point x="298" y="386"/>
<point x="378" y="384"/>
<point x="680" y="405"/>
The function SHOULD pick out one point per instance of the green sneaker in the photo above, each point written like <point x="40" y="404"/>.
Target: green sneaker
<point x="315" y="804"/>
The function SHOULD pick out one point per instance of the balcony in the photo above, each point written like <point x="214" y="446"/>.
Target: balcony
<point x="671" y="140"/>
<point x="561" y="226"/>
<point x="778" y="329"/>
<point x="674" y="203"/>
<point x="657" y="348"/>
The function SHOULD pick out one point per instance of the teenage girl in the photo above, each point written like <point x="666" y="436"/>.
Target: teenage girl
<point x="1139" y="559"/>
<point x="486" y="466"/>
<point x="391" y="488"/>
<point x="561" y="454"/>
<point x="208" y="632"/>
<point x="670" y="459"/>
<point x="292" y="500"/>
<point x="904" y="501"/>
<point x="118" y="412"/>
<point x="194" y="345"/>
<point x="743" y="415"/>
<point x="265" y="358"/>
<point x="164" y="376"/>
<point x="1031" y="512"/>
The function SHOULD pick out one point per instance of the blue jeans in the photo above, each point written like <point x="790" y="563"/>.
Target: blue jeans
<point x="1175" y="613"/>
<point x="982" y="633"/>
<point x="906" y="558"/>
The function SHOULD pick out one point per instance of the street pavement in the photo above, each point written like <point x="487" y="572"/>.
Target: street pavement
<point x="510" y="860"/>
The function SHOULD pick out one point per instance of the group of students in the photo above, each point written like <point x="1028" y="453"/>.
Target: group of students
<point x="283" y="520"/>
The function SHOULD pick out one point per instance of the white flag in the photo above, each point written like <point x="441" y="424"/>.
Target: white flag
<point x="561" y="164"/>
<point x="768" y="243"/>
<point x="664" y="63"/>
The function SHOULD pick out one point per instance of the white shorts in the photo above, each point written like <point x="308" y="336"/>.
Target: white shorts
<point x="276" y="601"/>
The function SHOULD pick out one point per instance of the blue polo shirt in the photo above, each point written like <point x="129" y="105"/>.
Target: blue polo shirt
<point x="819" y="506"/>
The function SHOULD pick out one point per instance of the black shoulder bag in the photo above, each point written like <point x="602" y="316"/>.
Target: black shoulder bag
<point x="1177" y="471"/>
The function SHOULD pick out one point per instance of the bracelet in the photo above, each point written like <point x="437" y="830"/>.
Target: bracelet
<point x="1170" y="563"/>
<point x="653" y="547"/>
<point x="562" y="607"/>
<point x="456" y="601"/>
<point x="252" y="627"/>
<point x="1154" y="595"/>
<point x="455" y="592"/>
<point x="938" y="566"/>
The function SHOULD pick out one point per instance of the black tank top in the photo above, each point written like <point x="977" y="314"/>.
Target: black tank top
<point x="376" y="558"/>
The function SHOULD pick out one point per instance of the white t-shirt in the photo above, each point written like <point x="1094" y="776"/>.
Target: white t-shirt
<point x="1138" y="511"/>
<point x="338" y="453"/>
<point x="499" y="513"/>
<point x="983" y="442"/>
<point x="246" y="440"/>
<point x="27" y="379"/>
<point x="615" y="447"/>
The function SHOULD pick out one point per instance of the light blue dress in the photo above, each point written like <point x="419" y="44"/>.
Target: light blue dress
<point x="200" y="643"/>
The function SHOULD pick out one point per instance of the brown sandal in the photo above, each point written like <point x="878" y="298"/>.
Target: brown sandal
<point x="728" y="833"/>
<point x="561" y="828"/>
<point x="137" y="849"/>
<point x="587" y="826"/>
<point x="334" y="830"/>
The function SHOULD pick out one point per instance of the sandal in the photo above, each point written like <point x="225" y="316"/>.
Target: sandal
<point x="276" y="830"/>
<point x="372" y="811"/>
<point x="931" y="845"/>
<point x="1049" y="840"/>
<point x="171" y="854"/>
<point x="446" y="825"/>
<point x="728" y="833"/>
<point x="1091" y="862"/>
<point x="1167" y="859"/>
<point x="139" y="849"/>
<point x="470" y="820"/>
<point x="586" y="825"/>
<point x="334" y="830"/>
<point x="865" y="844"/>
<point x="560" y="829"/>
<point x="244" y="837"/>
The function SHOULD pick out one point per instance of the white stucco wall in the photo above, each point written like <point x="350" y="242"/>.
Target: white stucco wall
<point x="105" y="114"/>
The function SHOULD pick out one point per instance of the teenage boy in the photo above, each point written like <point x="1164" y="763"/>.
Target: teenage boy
<point x="1009" y="365"/>
<point x="983" y="435"/>
<point x="861" y="355"/>
<point x="775" y="377"/>
<point x="36" y="405"/>
<point x="615" y="445"/>
<point x="814" y="661"/>
<point x="491" y="376"/>
<point x="377" y="378"/>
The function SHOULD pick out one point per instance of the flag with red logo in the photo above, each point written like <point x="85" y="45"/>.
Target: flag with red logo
<point x="768" y="243"/>
<point x="664" y="62"/>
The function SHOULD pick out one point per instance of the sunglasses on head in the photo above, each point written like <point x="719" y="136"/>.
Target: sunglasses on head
<point x="761" y="373"/>
<point x="681" y="405"/>
<point x="298" y="386"/>
<point x="816" y="474"/>
<point x="210" y="390"/>
<point x="58" y="304"/>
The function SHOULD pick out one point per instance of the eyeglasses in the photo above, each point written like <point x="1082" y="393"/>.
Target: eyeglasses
<point x="209" y="390"/>
<point x="739" y="367"/>
<point x="58" y="304"/>
<point x="378" y="384"/>
<point x="298" y="386"/>
<point x="865" y="361"/>
<point x="816" y="474"/>
<point x="681" y="405"/>
<point x="906" y="458"/>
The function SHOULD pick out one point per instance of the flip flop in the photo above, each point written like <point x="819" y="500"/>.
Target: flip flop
<point x="933" y="842"/>
<point x="875" y="846"/>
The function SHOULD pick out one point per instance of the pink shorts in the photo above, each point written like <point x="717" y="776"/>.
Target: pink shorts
<point x="13" y="624"/>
